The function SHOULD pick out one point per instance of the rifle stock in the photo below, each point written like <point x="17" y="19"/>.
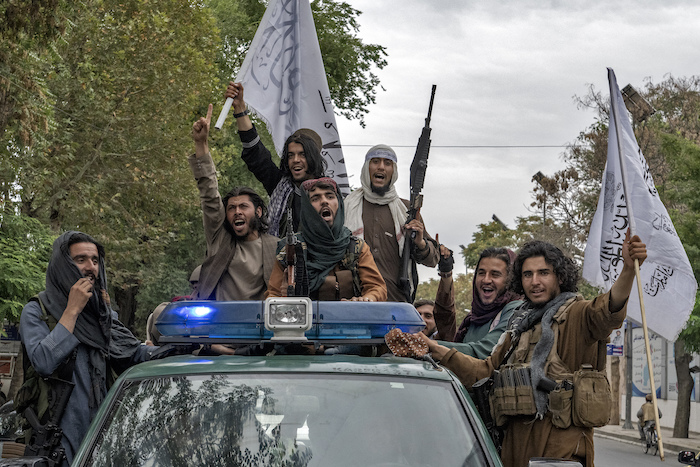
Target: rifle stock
<point x="291" y="255"/>
<point x="418" y="169"/>
<point x="46" y="439"/>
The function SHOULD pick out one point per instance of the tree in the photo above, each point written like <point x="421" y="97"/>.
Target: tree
<point x="27" y="31"/>
<point x="669" y="140"/>
<point x="121" y="89"/>
<point x="463" y="293"/>
<point x="114" y="164"/>
<point x="25" y="249"/>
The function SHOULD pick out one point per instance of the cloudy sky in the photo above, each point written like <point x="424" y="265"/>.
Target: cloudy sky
<point x="506" y="75"/>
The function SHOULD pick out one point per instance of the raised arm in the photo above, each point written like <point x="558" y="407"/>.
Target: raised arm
<point x="445" y="311"/>
<point x="235" y="92"/>
<point x="204" y="172"/>
<point x="255" y="155"/>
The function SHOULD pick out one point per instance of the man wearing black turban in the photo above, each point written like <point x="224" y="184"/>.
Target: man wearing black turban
<point x="329" y="251"/>
<point x="86" y="333"/>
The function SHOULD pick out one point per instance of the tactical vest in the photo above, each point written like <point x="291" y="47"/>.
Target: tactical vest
<point x="582" y="397"/>
<point x="345" y="282"/>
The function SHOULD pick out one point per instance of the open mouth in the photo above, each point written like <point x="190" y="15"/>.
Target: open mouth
<point x="238" y="222"/>
<point x="91" y="277"/>
<point x="326" y="214"/>
<point x="379" y="178"/>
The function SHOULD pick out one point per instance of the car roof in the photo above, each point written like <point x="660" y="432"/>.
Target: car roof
<point x="331" y="364"/>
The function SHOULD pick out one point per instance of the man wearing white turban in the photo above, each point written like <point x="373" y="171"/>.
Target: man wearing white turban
<point x="376" y="214"/>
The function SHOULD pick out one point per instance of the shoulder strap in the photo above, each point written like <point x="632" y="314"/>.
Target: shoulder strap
<point x="66" y="369"/>
<point x="350" y="262"/>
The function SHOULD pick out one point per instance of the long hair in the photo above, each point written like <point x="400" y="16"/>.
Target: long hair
<point x="316" y="163"/>
<point x="261" y="224"/>
<point x="564" y="268"/>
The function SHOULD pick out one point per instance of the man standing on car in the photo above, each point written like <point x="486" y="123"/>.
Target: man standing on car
<point x="301" y="160"/>
<point x="339" y="266"/>
<point x="71" y="325"/>
<point x="551" y="313"/>
<point x="240" y="253"/>
<point x="376" y="214"/>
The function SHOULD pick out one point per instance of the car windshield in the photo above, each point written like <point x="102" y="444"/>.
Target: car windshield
<point x="289" y="420"/>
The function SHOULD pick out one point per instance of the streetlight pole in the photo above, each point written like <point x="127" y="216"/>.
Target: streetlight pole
<point x="538" y="178"/>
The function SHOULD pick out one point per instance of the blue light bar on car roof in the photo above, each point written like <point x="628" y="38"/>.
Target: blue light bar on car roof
<point x="244" y="321"/>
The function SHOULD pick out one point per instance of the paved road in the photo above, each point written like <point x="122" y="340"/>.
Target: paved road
<point x="614" y="453"/>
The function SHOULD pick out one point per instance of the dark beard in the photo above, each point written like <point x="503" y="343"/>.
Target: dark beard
<point x="381" y="191"/>
<point x="254" y="225"/>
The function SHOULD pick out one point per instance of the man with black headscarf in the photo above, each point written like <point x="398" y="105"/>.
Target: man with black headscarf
<point x="72" y="324"/>
<point x="339" y="266"/>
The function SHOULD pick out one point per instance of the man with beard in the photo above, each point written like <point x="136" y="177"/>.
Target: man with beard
<point x="240" y="254"/>
<point x="376" y="214"/>
<point x="69" y="331"/>
<point x="492" y="305"/>
<point x="301" y="160"/>
<point x="554" y="333"/>
<point x="339" y="266"/>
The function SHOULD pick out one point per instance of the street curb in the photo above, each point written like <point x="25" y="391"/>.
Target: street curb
<point x="669" y="448"/>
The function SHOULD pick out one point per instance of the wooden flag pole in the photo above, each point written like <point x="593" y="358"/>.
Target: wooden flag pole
<point x="615" y="97"/>
<point x="649" y="364"/>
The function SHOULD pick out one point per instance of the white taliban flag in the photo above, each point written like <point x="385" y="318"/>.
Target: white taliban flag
<point x="628" y="197"/>
<point x="285" y="82"/>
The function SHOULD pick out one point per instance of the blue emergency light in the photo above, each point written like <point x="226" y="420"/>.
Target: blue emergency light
<point x="289" y="319"/>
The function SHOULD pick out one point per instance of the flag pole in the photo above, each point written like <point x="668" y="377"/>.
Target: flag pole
<point x="630" y="218"/>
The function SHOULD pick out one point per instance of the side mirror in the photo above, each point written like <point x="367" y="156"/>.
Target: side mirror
<point x="686" y="457"/>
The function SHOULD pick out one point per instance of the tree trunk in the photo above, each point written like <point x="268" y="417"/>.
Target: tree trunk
<point x="125" y="298"/>
<point x="685" y="387"/>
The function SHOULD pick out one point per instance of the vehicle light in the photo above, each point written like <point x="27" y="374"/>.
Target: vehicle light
<point x="257" y="321"/>
<point x="288" y="317"/>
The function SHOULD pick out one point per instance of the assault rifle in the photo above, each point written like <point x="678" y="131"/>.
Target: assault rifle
<point x="418" y="168"/>
<point x="46" y="439"/>
<point x="481" y="390"/>
<point x="290" y="249"/>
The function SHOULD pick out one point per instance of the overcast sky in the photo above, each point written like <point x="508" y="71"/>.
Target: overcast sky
<point x="506" y="75"/>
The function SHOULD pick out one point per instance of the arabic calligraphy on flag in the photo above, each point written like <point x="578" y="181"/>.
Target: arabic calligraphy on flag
<point x="668" y="282"/>
<point x="285" y="82"/>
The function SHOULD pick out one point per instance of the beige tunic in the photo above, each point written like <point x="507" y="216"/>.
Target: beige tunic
<point x="244" y="277"/>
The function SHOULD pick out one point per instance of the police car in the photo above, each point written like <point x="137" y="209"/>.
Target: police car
<point x="287" y="406"/>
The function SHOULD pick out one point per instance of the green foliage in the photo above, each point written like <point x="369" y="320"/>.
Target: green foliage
<point x="100" y="97"/>
<point x="131" y="78"/>
<point x="25" y="249"/>
<point x="27" y="31"/>
<point x="493" y="234"/>
<point x="463" y="293"/>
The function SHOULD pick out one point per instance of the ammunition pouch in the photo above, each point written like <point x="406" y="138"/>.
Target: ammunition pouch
<point x="592" y="398"/>
<point x="512" y="393"/>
